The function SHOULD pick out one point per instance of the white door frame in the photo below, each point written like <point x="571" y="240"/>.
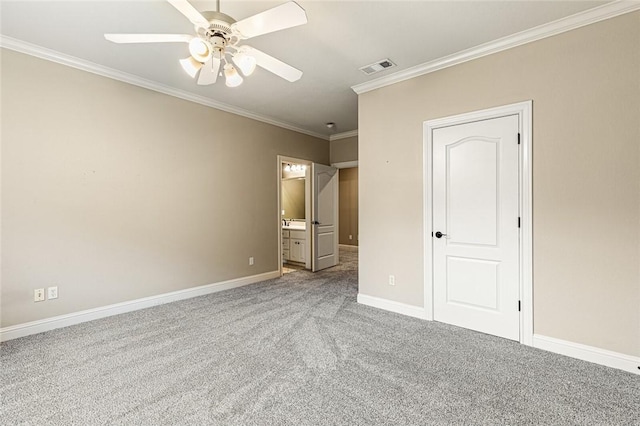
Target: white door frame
<point x="524" y="111"/>
<point x="307" y="207"/>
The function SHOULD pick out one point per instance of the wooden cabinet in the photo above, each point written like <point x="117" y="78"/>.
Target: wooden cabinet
<point x="294" y="245"/>
<point x="297" y="251"/>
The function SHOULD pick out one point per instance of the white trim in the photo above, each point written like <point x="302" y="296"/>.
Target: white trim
<point x="588" y="353"/>
<point x="347" y="247"/>
<point x="390" y="305"/>
<point x="524" y="112"/>
<point x="345" y="164"/>
<point x="343" y="135"/>
<point x="427" y="215"/>
<point x="34" y="327"/>
<point x="591" y="16"/>
<point x="84" y="65"/>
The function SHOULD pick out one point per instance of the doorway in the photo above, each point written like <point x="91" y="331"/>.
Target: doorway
<point x="478" y="221"/>
<point x="294" y="213"/>
<point x="348" y="208"/>
<point x="310" y="241"/>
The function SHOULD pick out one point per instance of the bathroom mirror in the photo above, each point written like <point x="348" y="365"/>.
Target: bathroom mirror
<point x="293" y="198"/>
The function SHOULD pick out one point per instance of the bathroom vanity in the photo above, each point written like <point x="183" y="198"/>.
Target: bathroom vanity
<point x="294" y="242"/>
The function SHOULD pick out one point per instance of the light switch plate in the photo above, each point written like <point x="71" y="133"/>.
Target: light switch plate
<point x="52" y="293"/>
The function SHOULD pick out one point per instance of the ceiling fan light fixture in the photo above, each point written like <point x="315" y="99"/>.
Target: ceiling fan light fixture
<point x="190" y="66"/>
<point x="232" y="77"/>
<point x="245" y="62"/>
<point x="218" y="35"/>
<point x="199" y="49"/>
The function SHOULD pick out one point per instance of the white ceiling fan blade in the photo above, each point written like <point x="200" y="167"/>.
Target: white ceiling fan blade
<point x="280" y="17"/>
<point x="209" y="72"/>
<point x="274" y="65"/>
<point x="190" y="12"/>
<point x="148" y="38"/>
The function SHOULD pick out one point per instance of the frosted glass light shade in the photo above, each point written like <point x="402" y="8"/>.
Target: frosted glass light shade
<point x="191" y="66"/>
<point x="233" y="78"/>
<point x="246" y="63"/>
<point x="199" y="49"/>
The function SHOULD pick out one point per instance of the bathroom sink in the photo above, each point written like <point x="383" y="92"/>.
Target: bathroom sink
<point x="295" y="226"/>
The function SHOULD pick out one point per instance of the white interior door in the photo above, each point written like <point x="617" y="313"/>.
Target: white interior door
<point x="324" y="218"/>
<point x="476" y="226"/>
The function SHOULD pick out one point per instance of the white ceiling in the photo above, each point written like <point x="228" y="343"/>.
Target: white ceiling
<point x="341" y="37"/>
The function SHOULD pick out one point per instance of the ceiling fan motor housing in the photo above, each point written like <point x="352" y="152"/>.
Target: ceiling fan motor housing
<point x="219" y="23"/>
<point x="218" y="33"/>
<point x="218" y="41"/>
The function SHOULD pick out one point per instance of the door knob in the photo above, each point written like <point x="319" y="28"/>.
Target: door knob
<point x="440" y="234"/>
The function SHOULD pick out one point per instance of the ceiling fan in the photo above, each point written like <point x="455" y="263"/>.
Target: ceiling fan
<point x="219" y="35"/>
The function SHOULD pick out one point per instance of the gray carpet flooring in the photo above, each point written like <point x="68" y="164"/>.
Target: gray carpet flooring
<point x="298" y="351"/>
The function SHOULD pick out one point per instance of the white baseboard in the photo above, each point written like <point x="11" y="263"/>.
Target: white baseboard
<point x="563" y="347"/>
<point x="34" y="327"/>
<point x="588" y="353"/>
<point x="346" y="247"/>
<point x="390" y="305"/>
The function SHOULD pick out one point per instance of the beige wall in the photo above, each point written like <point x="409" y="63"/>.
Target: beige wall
<point x="585" y="87"/>
<point x="113" y="192"/>
<point x="293" y="198"/>
<point x="348" y="206"/>
<point x="343" y="150"/>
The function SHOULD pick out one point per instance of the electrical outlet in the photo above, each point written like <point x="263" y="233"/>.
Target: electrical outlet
<point x="52" y="293"/>
<point x="38" y="295"/>
<point x="251" y="260"/>
<point x="351" y="237"/>
<point x="392" y="280"/>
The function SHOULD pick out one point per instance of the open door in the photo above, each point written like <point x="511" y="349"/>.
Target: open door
<point x="324" y="216"/>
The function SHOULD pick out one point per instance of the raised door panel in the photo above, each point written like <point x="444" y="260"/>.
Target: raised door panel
<point x="472" y="282"/>
<point x="472" y="191"/>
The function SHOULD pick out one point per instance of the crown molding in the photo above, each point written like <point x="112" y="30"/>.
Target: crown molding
<point x="581" y="19"/>
<point x="84" y="65"/>
<point x="343" y="135"/>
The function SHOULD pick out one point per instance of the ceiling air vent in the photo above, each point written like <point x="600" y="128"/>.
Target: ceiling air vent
<point x="377" y="66"/>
